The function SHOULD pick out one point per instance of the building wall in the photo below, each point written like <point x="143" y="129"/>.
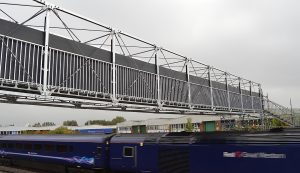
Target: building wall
<point x="10" y="132"/>
<point x="218" y="126"/>
<point x="201" y="123"/>
<point x="124" y="129"/>
<point x="198" y="127"/>
<point x="202" y="127"/>
<point x="158" y="128"/>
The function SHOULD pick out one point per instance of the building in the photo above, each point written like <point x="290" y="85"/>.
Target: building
<point x="200" y="123"/>
<point x="94" y="129"/>
<point x="14" y="130"/>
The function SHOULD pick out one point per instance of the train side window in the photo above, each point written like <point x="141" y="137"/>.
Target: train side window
<point x="4" y="145"/>
<point x="28" y="147"/>
<point x="61" y="148"/>
<point x="11" y="146"/>
<point x="37" y="147"/>
<point x="19" y="146"/>
<point x="128" y="151"/>
<point x="71" y="148"/>
<point x="49" y="148"/>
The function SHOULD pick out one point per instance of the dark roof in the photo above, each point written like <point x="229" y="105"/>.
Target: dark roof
<point x="57" y="138"/>
<point x="136" y="138"/>
<point x="275" y="136"/>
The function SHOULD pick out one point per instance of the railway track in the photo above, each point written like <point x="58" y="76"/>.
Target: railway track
<point x="6" y="169"/>
<point x="17" y="169"/>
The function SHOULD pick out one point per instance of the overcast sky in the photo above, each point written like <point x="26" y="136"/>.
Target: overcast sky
<point x="256" y="39"/>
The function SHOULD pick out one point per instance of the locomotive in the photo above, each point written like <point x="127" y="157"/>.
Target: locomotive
<point x="274" y="151"/>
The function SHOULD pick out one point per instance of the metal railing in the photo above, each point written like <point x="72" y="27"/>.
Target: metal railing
<point x="282" y="113"/>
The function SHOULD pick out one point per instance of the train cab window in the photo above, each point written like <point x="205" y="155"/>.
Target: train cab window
<point x="99" y="151"/>
<point x="37" y="147"/>
<point x="128" y="151"/>
<point x="28" y="147"/>
<point x="49" y="148"/>
<point x="61" y="148"/>
<point x="19" y="146"/>
<point x="11" y="146"/>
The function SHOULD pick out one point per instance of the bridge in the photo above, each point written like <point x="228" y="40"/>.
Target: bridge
<point x="51" y="56"/>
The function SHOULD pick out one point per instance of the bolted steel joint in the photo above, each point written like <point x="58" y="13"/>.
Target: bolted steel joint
<point x="188" y="60"/>
<point x="114" y="32"/>
<point x="157" y="48"/>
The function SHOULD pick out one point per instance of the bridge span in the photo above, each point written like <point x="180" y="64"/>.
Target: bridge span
<point x="55" y="57"/>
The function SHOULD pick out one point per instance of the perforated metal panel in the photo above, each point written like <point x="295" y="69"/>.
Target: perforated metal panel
<point x="173" y="160"/>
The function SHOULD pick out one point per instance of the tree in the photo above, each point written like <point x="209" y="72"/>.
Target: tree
<point x="114" y="121"/>
<point x="70" y="123"/>
<point x="189" y="125"/>
<point x="62" y="130"/>
<point x="47" y="124"/>
<point x="98" y="122"/>
<point x="118" y="119"/>
<point x="37" y="125"/>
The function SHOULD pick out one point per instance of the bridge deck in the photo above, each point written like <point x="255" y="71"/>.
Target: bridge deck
<point x="48" y="67"/>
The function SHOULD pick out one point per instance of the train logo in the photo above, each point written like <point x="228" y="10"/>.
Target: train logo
<point x="240" y="154"/>
<point x="82" y="160"/>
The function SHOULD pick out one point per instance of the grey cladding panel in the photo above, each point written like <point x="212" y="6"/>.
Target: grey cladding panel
<point x="79" y="48"/>
<point x="134" y="63"/>
<point x="198" y="80"/>
<point x="218" y="85"/>
<point x="21" y="32"/>
<point x="172" y="74"/>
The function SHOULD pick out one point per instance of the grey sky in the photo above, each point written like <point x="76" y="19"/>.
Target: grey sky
<point x="256" y="39"/>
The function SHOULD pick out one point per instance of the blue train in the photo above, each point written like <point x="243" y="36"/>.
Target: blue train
<point x="227" y="152"/>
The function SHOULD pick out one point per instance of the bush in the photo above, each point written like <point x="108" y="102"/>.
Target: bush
<point x="62" y="130"/>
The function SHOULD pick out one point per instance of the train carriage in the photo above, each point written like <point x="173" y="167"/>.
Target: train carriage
<point x="228" y="152"/>
<point x="88" y="151"/>
<point x="275" y="152"/>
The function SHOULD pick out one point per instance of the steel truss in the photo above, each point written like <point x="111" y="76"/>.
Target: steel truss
<point x="277" y="111"/>
<point x="156" y="79"/>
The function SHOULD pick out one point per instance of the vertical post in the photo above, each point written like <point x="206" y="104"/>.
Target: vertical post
<point x="292" y="113"/>
<point x="261" y="98"/>
<point x="46" y="52"/>
<point x="157" y="78"/>
<point x="268" y="102"/>
<point x="211" y="89"/>
<point x="241" y="94"/>
<point x="187" y="62"/>
<point x="113" y="61"/>
<point x="227" y="89"/>
<point x="262" y="103"/>
<point x="250" y="89"/>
